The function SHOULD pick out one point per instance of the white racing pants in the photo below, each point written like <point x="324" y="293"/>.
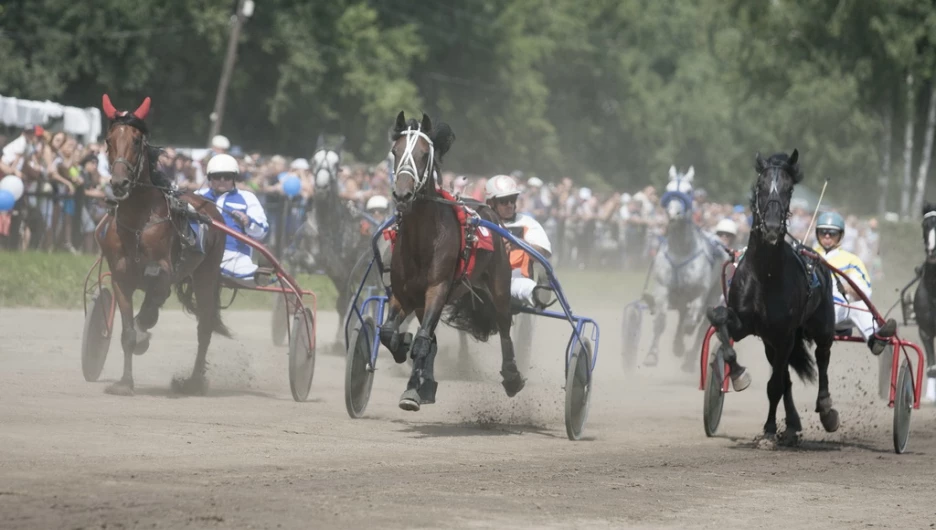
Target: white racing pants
<point x="521" y="288"/>
<point x="238" y="265"/>
<point x="858" y="318"/>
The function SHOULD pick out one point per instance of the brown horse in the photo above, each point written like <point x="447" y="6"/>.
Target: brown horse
<point x="425" y="261"/>
<point x="140" y="239"/>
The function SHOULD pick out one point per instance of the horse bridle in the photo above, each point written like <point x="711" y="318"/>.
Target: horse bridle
<point x="134" y="169"/>
<point x="332" y="170"/>
<point x="772" y="196"/>
<point x="407" y="164"/>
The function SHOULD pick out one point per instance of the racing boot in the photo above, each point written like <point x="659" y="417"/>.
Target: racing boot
<point x="878" y="341"/>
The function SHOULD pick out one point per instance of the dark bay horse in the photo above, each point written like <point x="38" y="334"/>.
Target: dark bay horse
<point x="782" y="298"/>
<point x="424" y="264"/>
<point x="924" y="300"/>
<point x="141" y="242"/>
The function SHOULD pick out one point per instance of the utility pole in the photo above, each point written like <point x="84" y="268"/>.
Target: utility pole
<point x="244" y="11"/>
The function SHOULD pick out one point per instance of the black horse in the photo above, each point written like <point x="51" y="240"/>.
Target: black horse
<point x="783" y="298"/>
<point x="924" y="301"/>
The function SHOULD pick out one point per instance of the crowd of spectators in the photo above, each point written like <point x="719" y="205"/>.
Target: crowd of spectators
<point x="65" y="183"/>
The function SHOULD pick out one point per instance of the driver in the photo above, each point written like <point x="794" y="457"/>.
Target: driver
<point x="850" y="310"/>
<point x="726" y="232"/>
<point x="501" y="196"/>
<point x="241" y="210"/>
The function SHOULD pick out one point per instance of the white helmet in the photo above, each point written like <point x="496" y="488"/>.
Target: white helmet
<point x="377" y="202"/>
<point x="501" y="186"/>
<point x="222" y="163"/>
<point x="299" y="163"/>
<point x="726" y="226"/>
<point x="220" y="142"/>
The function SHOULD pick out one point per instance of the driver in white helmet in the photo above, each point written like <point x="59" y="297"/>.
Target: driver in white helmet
<point x="726" y="232"/>
<point x="241" y="210"/>
<point x="501" y="195"/>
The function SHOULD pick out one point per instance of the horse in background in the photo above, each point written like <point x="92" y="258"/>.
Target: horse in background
<point x="686" y="272"/>
<point x="779" y="296"/>
<point x="142" y="241"/>
<point x="426" y="267"/>
<point x="924" y="299"/>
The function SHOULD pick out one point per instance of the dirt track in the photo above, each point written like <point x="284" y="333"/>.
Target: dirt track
<point x="247" y="456"/>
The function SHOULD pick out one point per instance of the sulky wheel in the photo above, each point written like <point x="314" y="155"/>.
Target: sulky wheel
<point x="578" y="389"/>
<point x="302" y="354"/>
<point x="714" y="398"/>
<point x="359" y="372"/>
<point x="903" y="406"/>
<point x="631" y="339"/>
<point x="97" y="336"/>
<point x="523" y="345"/>
<point x="280" y="319"/>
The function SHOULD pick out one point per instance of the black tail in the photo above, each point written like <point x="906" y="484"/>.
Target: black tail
<point x="800" y="360"/>
<point x="186" y="293"/>
<point x="473" y="316"/>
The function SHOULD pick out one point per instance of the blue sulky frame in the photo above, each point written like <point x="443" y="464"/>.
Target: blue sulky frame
<point x="578" y="323"/>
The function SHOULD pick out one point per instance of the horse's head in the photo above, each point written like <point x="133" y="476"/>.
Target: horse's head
<point x="126" y="146"/>
<point x="770" y="203"/>
<point x="325" y="164"/>
<point x="678" y="205"/>
<point x="929" y="231"/>
<point x="416" y="149"/>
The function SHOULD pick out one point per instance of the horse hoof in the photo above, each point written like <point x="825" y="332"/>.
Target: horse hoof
<point x="741" y="381"/>
<point x="119" y="389"/>
<point x="193" y="386"/>
<point x="789" y="438"/>
<point x="141" y="345"/>
<point x="410" y="400"/>
<point x="830" y="420"/>
<point x="689" y="366"/>
<point x="767" y="442"/>
<point x="651" y="360"/>
<point x="514" y="385"/>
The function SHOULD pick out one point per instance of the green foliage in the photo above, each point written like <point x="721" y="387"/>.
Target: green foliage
<point x="618" y="89"/>
<point x="33" y="279"/>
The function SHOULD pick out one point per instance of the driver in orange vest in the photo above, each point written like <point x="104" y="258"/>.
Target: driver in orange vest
<point x="501" y="195"/>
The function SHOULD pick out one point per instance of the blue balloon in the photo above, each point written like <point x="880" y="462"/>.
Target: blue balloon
<point x="6" y="201"/>
<point x="291" y="186"/>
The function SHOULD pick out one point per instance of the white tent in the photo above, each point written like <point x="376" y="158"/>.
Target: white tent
<point x="85" y="123"/>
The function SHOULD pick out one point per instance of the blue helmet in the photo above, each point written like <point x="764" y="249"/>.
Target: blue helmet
<point x="831" y="220"/>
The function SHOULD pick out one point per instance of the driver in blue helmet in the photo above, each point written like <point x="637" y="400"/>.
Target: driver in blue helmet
<point x="850" y="310"/>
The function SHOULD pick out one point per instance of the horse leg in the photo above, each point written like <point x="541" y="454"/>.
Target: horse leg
<point x="123" y="294"/>
<point x="827" y="415"/>
<point x="660" y="306"/>
<point x="390" y="335"/>
<point x="207" y="283"/>
<point x="690" y="361"/>
<point x="730" y="326"/>
<point x="421" y="387"/>
<point x="679" y="343"/>
<point x="926" y="337"/>
<point x="776" y="387"/>
<point x="794" y="426"/>
<point x="158" y="286"/>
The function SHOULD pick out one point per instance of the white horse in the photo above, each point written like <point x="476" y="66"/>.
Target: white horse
<point x="686" y="272"/>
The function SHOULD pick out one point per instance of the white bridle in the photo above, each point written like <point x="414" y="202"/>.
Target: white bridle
<point x="407" y="164"/>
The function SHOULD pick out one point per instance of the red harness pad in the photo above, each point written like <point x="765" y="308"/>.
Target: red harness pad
<point x="483" y="238"/>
